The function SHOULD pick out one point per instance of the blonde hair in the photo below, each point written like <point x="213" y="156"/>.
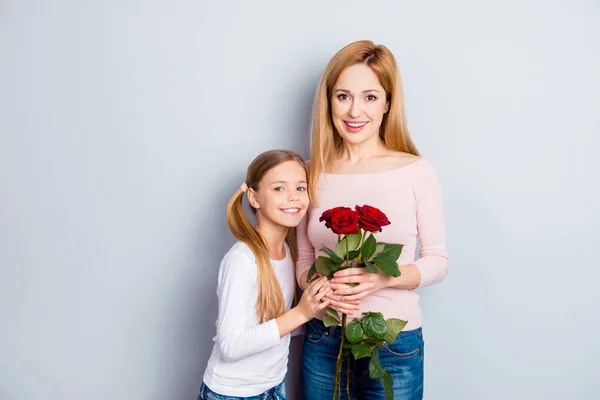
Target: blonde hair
<point x="325" y="140"/>
<point x="269" y="303"/>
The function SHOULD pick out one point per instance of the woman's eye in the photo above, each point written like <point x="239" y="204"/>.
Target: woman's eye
<point x="342" y="96"/>
<point x="370" y="97"/>
<point x="302" y="189"/>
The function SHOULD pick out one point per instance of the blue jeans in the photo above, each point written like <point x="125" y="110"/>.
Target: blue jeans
<point x="275" y="393"/>
<point x="403" y="358"/>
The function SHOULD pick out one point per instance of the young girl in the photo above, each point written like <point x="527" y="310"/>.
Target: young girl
<point x="256" y="284"/>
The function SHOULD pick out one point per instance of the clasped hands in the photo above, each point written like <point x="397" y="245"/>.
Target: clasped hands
<point x="346" y="298"/>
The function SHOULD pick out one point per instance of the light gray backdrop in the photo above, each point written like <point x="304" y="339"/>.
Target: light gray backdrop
<point x="125" y="127"/>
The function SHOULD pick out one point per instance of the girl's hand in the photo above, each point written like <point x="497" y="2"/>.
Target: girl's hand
<point x="366" y="281"/>
<point x="313" y="299"/>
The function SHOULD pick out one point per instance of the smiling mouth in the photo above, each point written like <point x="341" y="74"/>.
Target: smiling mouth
<point x="353" y="126"/>
<point x="292" y="210"/>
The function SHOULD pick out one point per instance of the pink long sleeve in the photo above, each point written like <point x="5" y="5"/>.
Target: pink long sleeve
<point x="306" y="251"/>
<point x="411" y="198"/>
<point x="433" y="256"/>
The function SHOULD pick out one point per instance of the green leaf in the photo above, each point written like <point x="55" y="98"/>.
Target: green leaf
<point x="394" y="327"/>
<point x="311" y="272"/>
<point x="334" y="257"/>
<point x="371" y="267"/>
<point x="360" y="350"/>
<point x="392" y="250"/>
<point x="374" y="325"/>
<point x="375" y="370"/>
<point x="322" y="265"/>
<point x="340" y="248"/>
<point x="369" y="247"/>
<point x="328" y="321"/>
<point x="353" y="254"/>
<point x="384" y="257"/>
<point x="388" y="384"/>
<point x="354" y="241"/>
<point x="331" y="317"/>
<point x="390" y="268"/>
<point x="354" y="332"/>
<point x="333" y="314"/>
<point x="334" y="268"/>
<point x="379" y="249"/>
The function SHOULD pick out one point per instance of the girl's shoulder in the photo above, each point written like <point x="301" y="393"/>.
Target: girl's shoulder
<point x="238" y="254"/>
<point x="240" y="247"/>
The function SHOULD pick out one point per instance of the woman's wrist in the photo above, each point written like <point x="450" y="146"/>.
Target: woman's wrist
<point x="409" y="279"/>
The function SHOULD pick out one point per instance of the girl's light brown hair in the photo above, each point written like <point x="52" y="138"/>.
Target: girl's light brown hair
<point x="270" y="302"/>
<point x="326" y="143"/>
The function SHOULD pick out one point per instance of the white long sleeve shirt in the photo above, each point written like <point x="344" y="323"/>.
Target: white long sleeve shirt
<point x="248" y="358"/>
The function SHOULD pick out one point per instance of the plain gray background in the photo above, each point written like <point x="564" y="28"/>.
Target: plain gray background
<point x="125" y="127"/>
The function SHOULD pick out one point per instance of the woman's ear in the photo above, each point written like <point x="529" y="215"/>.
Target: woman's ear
<point x="253" y="198"/>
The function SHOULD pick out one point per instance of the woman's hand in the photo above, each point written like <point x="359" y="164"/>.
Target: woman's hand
<point x="366" y="283"/>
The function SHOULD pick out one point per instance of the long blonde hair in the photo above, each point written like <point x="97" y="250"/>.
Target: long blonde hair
<point x="269" y="303"/>
<point x="325" y="140"/>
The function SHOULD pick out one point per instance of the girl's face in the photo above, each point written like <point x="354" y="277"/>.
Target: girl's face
<point x="358" y="103"/>
<point x="282" y="198"/>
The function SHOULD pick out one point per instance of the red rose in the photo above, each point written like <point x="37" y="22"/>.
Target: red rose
<point x="326" y="216"/>
<point x="371" y="219"/>
<point x="344" y="222"/>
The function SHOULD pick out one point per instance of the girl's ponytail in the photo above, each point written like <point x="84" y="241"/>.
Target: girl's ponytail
<point x="270" y="303"/>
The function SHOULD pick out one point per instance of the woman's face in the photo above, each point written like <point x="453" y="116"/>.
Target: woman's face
<point x="358" y="103"/>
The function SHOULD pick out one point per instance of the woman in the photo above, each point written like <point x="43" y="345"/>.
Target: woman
<point x="362" y="153"/>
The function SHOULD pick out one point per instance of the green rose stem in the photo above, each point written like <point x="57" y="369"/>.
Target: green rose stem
<point x="369" y="333"/>
<point x="338" y="368"/>
<point x="362" y="239"/>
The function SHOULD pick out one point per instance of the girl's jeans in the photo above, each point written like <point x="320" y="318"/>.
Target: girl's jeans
<point x="276" y="393"/>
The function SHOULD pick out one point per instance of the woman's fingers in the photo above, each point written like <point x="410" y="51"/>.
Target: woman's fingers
<point x="342" y="305"/>
<point x="350" y="272"/>
<point x="355" y="278"/>
<point x="355" y="297"/>
<point x="333" y="297"/>
<point x="350" y="290"/>
<point x="343" y="310"/>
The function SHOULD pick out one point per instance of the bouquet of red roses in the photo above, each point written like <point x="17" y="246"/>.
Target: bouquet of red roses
<point x="357" y="247"/>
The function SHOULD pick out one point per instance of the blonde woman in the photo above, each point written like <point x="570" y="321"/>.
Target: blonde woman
<point x="362" y="153"/>
<point x="256" y="284"/>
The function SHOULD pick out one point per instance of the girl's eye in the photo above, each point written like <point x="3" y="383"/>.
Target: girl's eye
<point x="342" y="96"/>
<point x="302" y="189"/>
<point x="278" y="189"/>
<point x="371" y="97"/>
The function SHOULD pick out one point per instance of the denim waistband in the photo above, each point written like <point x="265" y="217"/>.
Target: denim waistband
<point x="336" y="331"/>
<point x="269" y="394"/>
<point x="273" y="390"/>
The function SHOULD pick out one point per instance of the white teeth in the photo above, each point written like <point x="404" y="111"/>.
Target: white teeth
<point x="356" y="124"/>
<point x="290" y="210"/>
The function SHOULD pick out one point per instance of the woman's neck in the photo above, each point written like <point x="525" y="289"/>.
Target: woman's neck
<point x="355" y="153"/>
<point x="275" y="236"/>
